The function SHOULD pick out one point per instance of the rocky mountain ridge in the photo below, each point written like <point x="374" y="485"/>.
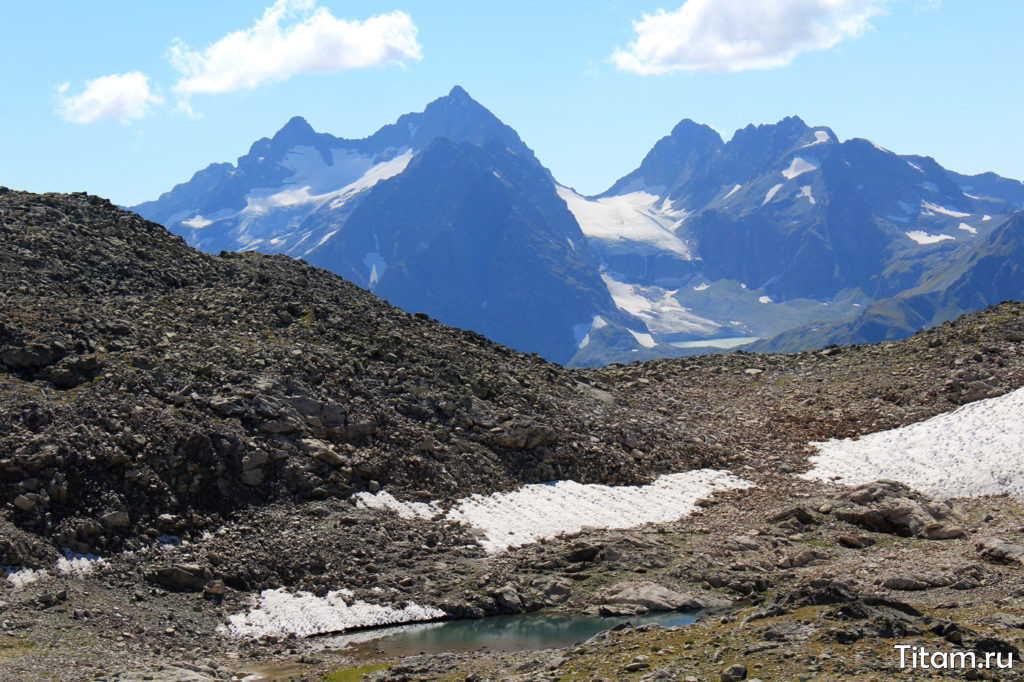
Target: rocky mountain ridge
<point x="781" y="231"/>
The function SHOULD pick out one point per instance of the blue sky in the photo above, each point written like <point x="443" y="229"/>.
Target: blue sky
<point x="590" y="86"/>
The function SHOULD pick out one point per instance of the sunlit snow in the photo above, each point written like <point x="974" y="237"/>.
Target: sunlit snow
<point x="805" y="192"/>
<point x="967" y="228"/>
<point x="658" y="308"/>
<point x="820" y="136"/>
<point x="935" y="208"/>
<point x="771" y="193"/>
<point x="196" y="222"/>
<point x="544" y="510"/>
<point x="643" y="338"/>
<point x="798" y="166"/>
<point x="549" y="509"/>
<point x="922" y="237"/>
<point x="628" y="218"/>
<point x="406" y="510"/>
<point x="977" y="449"/>
<point x="582" y="332"/>
<point x="281" y="613"/>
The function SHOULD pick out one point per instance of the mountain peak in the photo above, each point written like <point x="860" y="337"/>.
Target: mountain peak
<point x="792" y="122"/>
<point x="458" y="92"/>
<point x="296" y="128"/>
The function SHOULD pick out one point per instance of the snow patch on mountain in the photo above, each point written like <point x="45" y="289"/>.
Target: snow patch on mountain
<point x="977" y="449"/>
<point x="935" y="208"/>
<point x="20" y="577"/>
<point x="544" y="510"/>
<point x="406" y="510"/>
<point x="820" y="136"/>
<point x="196" y="222"/>
<point x="658" y="308"/>
<point x="967" y="228"/>
<point x="805" y="192"/>
<point x="771" y="193"/>
<point x="643" y="338"/>
<point x="281" y="613"/>
<point x="922" y="237"/>
<point x="582" y="332"/>
<point x="735" y="188"/>
<point x="798" y="166"/>
<point x="628" y="219"/>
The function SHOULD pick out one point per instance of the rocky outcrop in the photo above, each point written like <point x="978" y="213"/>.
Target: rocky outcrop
<point x="625" y="598"/>
<point x="892" y="507"/>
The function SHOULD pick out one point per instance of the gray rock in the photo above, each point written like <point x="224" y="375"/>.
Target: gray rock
<point x="508" y="598"/>
<point x="554" y="590"/>
<point x="24" y="503"/>
<point x="653" y="597"/>
<point x="734" y="673"/>
<point x="116" y="519"/>
<point x="1002" y="551"/>
<point x="892" y="507"/>
<point x="180" y="577"/>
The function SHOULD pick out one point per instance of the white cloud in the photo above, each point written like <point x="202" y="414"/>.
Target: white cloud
<point x="293" y="37"/>
<point x="736" y="35"/>
<point x="119" y="97"/>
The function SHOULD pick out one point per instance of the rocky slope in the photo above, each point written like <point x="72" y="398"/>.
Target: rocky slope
<point x="214" y="414"/>
<point x="145" y="381"/>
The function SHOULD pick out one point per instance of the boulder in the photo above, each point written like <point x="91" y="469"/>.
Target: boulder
<point x="180" y="577"/>
<point x="734" y="673"/>
<point x="1000" y="551"/>
<point x="653" y="597"/>
<point x="891" y="507"/>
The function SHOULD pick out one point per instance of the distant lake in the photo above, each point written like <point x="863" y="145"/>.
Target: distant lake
<point x="726" y="342"/>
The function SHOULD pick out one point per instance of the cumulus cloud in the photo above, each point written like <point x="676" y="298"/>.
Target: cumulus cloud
<point x="119" y="97"/>
<point x="736" y="35"/>
<point x="293" y="37"/>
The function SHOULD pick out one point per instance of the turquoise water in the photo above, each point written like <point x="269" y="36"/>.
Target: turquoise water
<point x="497" y="633"/>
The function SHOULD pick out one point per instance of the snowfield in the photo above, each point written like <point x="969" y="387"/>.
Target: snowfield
<point x="281" y="613"/>
<point x="544" y="510"/>
<point x="71" y="564"/>
<point x="929" y="207"/>
<point x="771" y="193"/>
<point x="977" y="449"/>
<point x="797" y="167"/>
<point x="922" y="237"/>
<point x="658" y="308"/>
<point x="820" y="137"/>
<point x="636" y="218"/>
